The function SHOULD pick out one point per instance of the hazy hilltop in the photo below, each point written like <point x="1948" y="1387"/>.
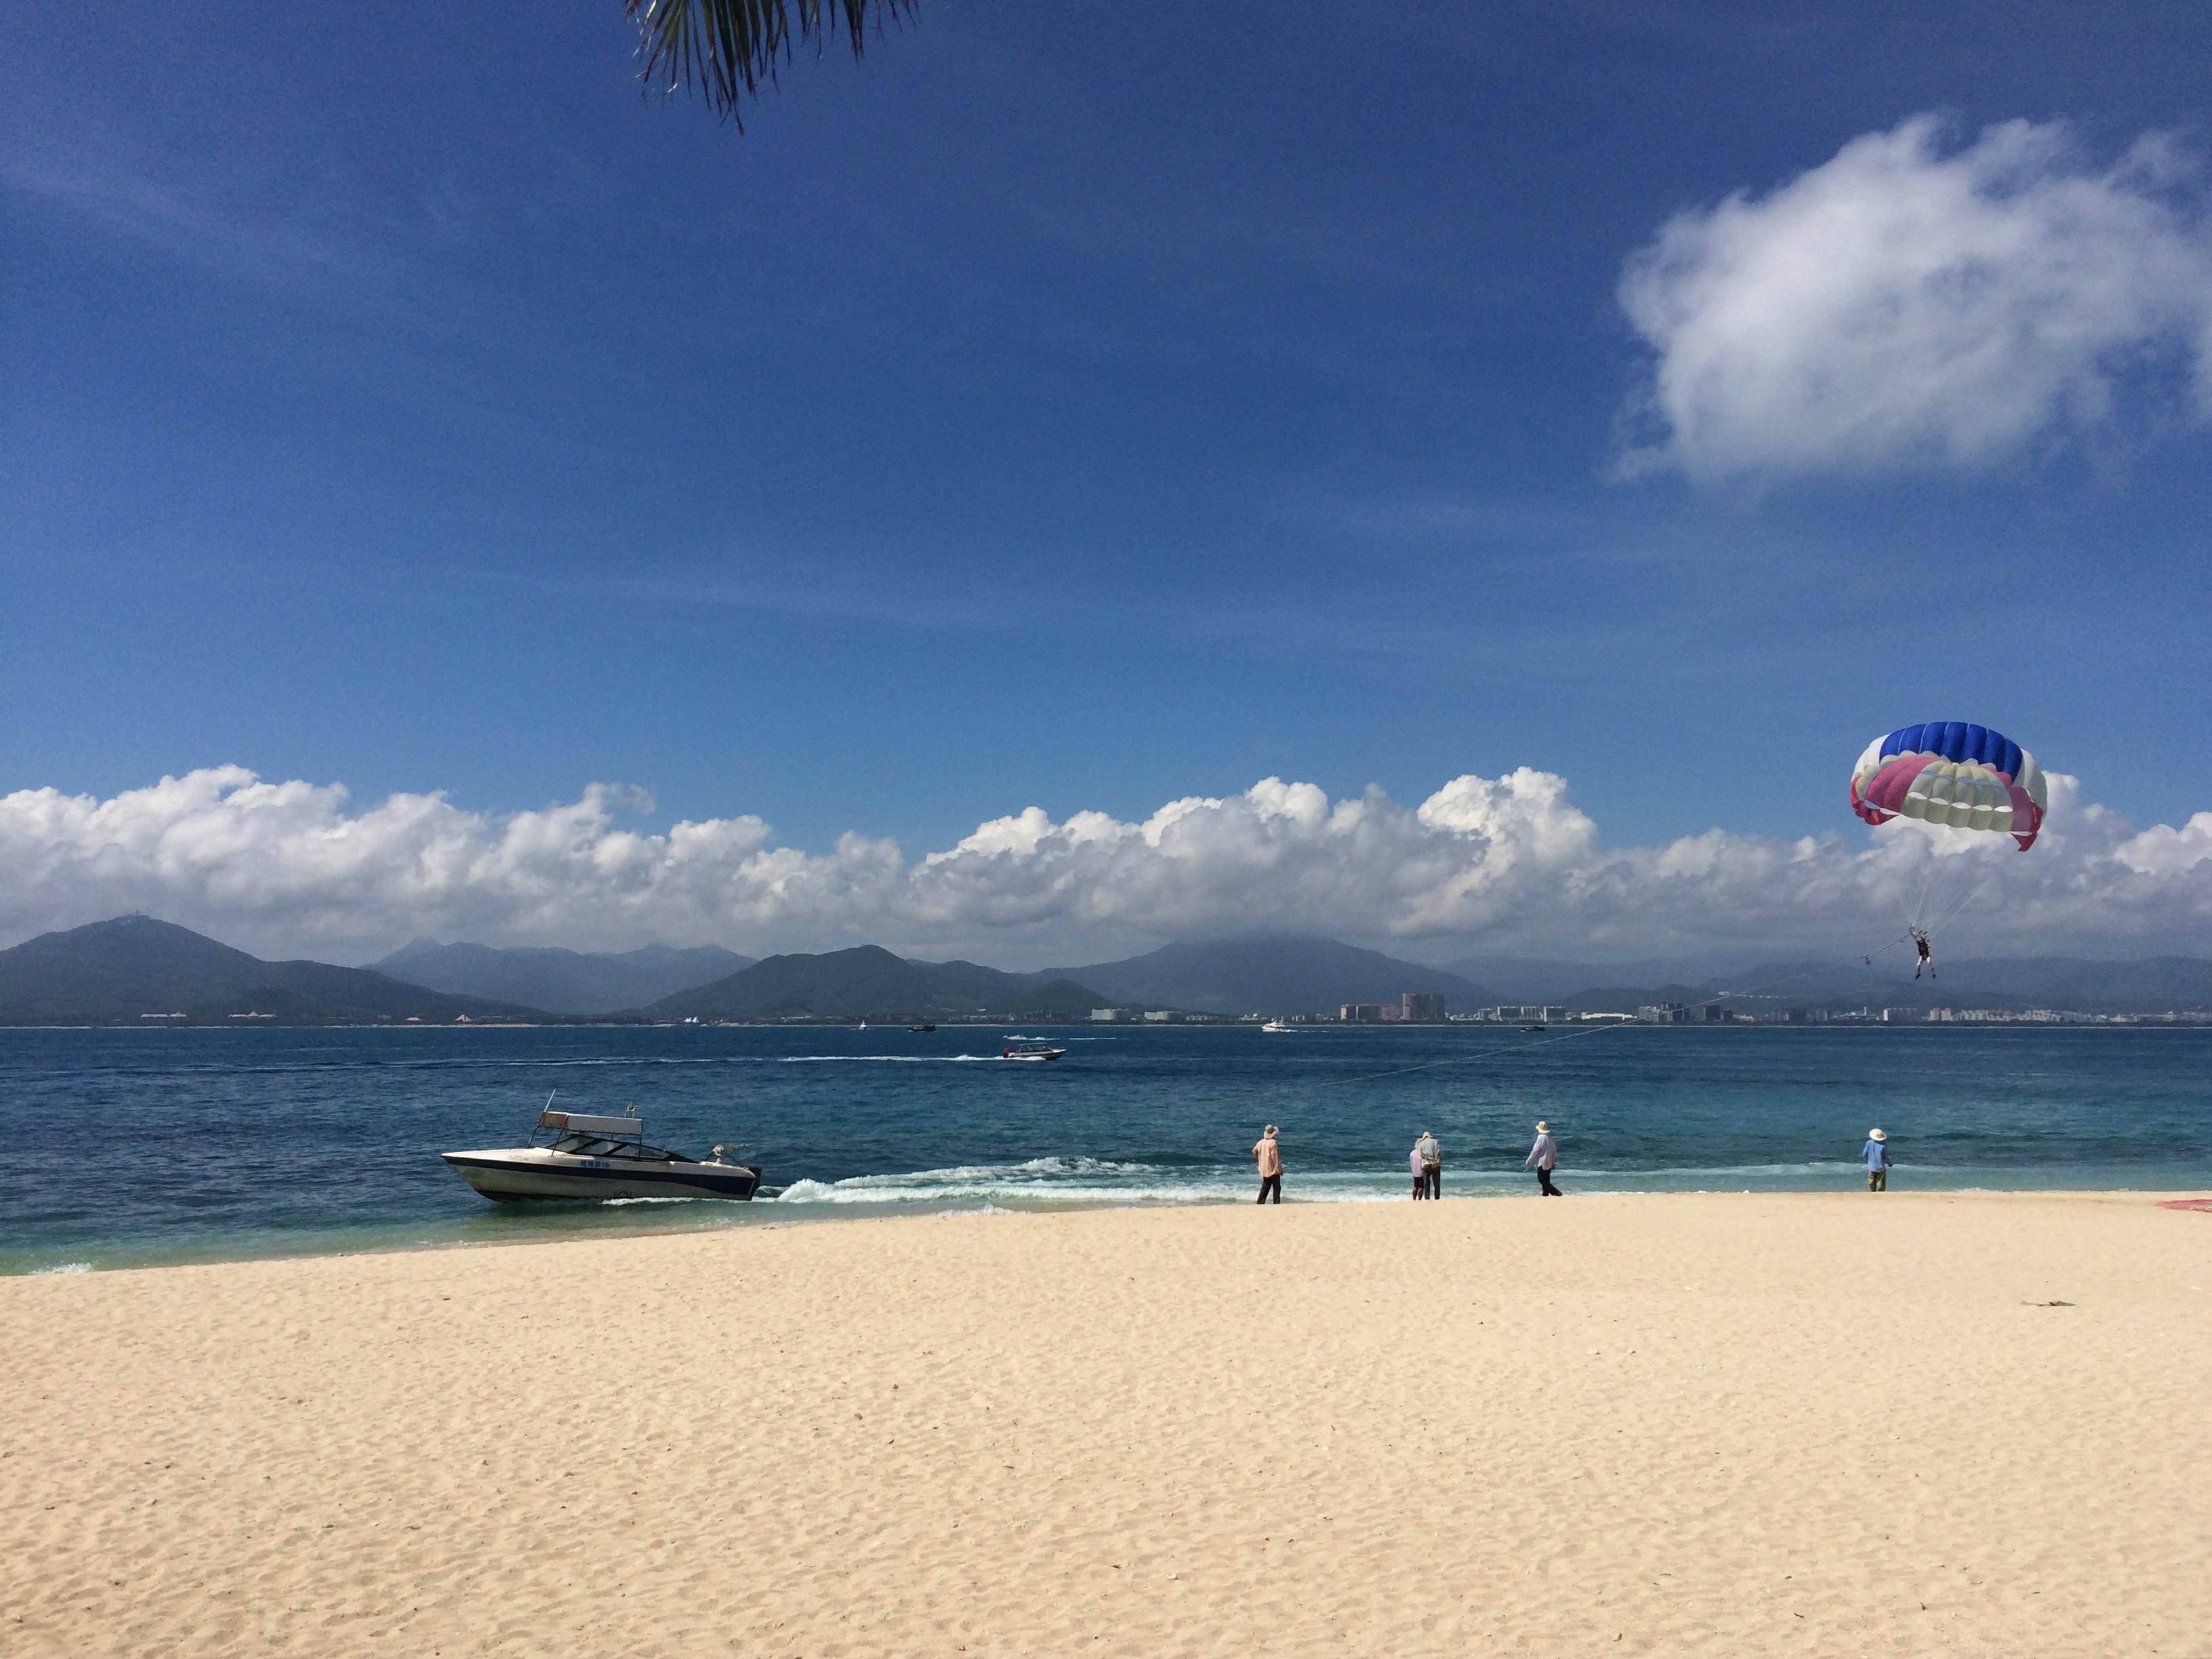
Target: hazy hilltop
<point x="1286" y="975"/>
<point x="868" y="982"/>
<point x="131" y="966"/>
<point x="561" y="982"/>
<point x="1541" y="979"/>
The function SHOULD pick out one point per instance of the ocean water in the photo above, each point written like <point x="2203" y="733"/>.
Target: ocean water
<point x="135" y="1148"/>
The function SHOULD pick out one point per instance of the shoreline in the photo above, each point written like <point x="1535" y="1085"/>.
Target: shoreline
<point x="1930" y="1423"/>
<point x="586" y="1222"/>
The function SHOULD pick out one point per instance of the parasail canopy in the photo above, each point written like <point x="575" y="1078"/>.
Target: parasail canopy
<point x="1950" y="772"/>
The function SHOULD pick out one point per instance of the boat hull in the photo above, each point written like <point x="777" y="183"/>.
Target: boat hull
<point x="510" y="1178"/>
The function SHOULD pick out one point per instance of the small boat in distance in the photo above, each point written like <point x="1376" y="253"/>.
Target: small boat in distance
<point x="599" y="1158"/>
<point x="1277" y="1025"/>
<point x="922" y="1028"/>
<point x="1030" y="1051"/>
<point x="1537" y="1026"/>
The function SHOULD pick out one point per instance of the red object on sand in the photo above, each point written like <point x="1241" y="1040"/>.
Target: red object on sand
<point x="2203" y="1204"/>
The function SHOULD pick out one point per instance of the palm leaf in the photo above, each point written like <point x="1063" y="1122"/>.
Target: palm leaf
<point x="725" y="49"/>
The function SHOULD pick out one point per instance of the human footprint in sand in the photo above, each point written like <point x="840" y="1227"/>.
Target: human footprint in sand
<point x="1876" y="1153"/>
<point x="1269" y="1152"/>
<point x="1544" y="1158"/>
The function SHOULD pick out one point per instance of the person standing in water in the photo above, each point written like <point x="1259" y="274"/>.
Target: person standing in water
<point x="1433" y="1163"/>
<point x="1876" y="1153"/>
<point x="1268" y="1152"/>
<point x="1544" y="1158"/>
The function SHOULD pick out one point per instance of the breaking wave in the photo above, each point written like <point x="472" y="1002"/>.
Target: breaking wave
<point x="1053" y="1183"/>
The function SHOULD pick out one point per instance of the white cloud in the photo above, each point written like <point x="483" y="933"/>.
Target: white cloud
<point x="1900" y="307"/>
<point x="1503" y="864"/>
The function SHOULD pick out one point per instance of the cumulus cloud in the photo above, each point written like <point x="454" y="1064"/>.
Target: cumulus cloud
<point x="1483" y="864"/>
<point x="1901" y="307"/>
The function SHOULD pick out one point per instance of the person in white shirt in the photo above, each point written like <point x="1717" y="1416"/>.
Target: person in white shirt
<point x="1544" y="1158"/>
<point x="1432" y="1162"/>
<point x="1420" y="1173"/>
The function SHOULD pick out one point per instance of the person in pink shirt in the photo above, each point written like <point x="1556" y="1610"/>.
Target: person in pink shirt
<point x="1420" y="1170"/>
<point x="1269" y="1154"/>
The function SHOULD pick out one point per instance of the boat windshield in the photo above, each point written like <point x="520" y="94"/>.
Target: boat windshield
<point x="583" y="1145"/>
<point x="588" y="1146"/>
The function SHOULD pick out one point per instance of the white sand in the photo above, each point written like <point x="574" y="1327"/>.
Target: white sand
<point x="1809" y="1425"/>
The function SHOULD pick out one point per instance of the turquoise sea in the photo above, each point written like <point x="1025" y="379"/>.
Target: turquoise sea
<point x="135" y="1148"/>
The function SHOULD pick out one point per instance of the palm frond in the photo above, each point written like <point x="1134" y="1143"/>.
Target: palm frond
<point x="725" y="49"/>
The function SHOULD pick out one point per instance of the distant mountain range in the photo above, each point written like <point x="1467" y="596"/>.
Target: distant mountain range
<point x="560" y="981"/>
<point x="133" y="966"/>
<point x="1285" y="976"/>
<point x="869" y="983"/>
<point x="119" y="971"/>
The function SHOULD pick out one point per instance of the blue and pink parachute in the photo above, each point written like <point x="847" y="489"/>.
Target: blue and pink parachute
<point x="1947" y="771"/>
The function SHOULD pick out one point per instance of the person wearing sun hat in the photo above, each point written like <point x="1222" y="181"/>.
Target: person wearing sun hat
<point x="1876" y="1153"/>
<point x="1269" y="1152"/>
<point x="1543" y="1157"/>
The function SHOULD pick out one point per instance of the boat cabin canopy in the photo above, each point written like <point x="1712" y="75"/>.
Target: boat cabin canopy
<point x="620" y="1128"/>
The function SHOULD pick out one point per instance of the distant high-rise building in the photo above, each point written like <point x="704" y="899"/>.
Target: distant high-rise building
<point x="1362" y="1014"/>
<point x="1424" y="1006"/>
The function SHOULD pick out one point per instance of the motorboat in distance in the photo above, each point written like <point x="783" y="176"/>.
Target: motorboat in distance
<point x="1277" y="1025"/>
<point x="922" y="1028"/>
<point x="1030" y="1051"/>
<point x="599" y="1158"/>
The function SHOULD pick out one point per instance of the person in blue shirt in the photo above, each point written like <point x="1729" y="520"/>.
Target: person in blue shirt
<point x="1876" y="1153"/>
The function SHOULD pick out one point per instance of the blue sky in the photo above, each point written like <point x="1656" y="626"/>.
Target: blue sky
<point x="1082" y="416"/>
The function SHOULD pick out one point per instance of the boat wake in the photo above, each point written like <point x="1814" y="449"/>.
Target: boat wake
<point x="879" y="1059"/>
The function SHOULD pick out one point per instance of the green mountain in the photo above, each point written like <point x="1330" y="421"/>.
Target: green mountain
<point x="1286" y="975"/>
<point x="564" y="982"/>
<point x="869" y="983"/>
<point x="121" y="969"/>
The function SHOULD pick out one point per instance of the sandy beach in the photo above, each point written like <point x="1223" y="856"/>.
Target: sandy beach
<point x="1917" y="1424"/>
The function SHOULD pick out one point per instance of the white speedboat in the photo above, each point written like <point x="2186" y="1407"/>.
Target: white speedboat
<point x="599" y="1158"/>
<point x="1277" y="1025"/>
<point x="1031" y="1051"/>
